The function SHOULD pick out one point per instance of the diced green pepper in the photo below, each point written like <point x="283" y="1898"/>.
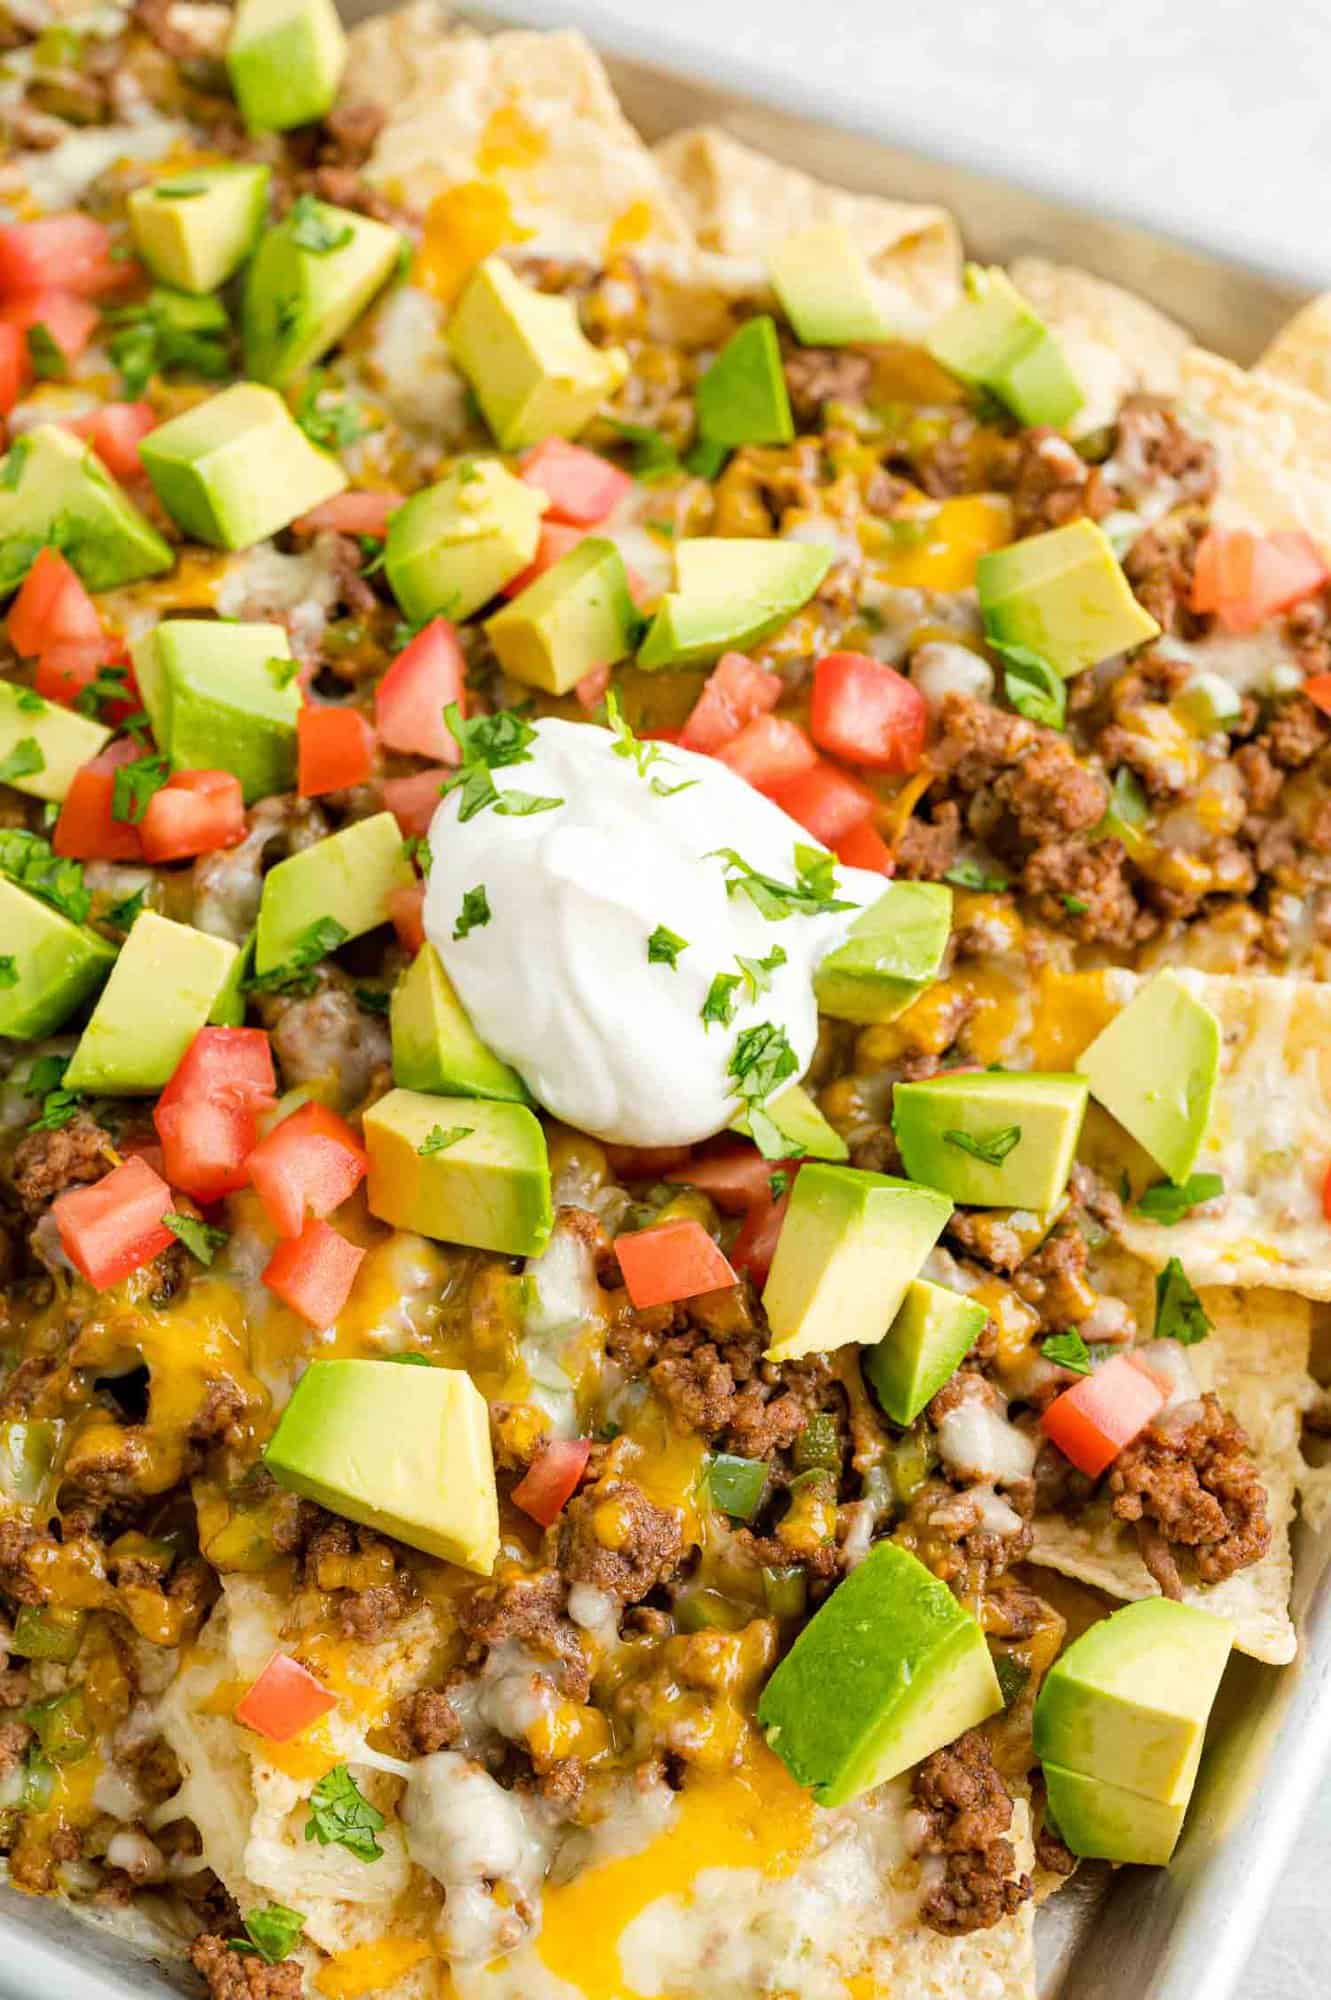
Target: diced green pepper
<point x="27" y="1454"/>
<point x="46" y="1632"/>
<point x="818" y="1447"/>
<point x="909" y="1464"/>
<point x="785" y="1590"/>
<point x="708" y="1610"/>
<point x="38" y="1783"/>
<point x="736" y="1485"/>
<point x="62" y="1726"/>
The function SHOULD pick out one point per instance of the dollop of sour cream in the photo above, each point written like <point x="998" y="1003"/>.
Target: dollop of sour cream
<point x="558" y="980"/>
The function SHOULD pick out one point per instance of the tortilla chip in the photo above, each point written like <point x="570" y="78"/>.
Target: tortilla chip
<point x="1315" y="1496"/>
<point x="1256" y="1360"/>
<point x="1115" y="342"/>
<point x="1274" y="443"/>
<point x="1301" y="351"/>
<point x="740" y="205"/>
<point x="531" y="116"/>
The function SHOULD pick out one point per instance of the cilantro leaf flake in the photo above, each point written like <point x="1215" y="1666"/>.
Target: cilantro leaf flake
<point x="1168" y="1202"/>
<point x="991" y="1147"/>
<point x="340" y="1813"/>
<point x="1179" y="1313"/>
<point x="1068" y="1350"/>
<point x="475" y="912"/>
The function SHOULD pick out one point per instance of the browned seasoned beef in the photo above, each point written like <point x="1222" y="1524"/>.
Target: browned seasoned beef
<point x="234" y="1975"/>
<point x="967" y="1811"/>
<point x="614" y="1537"/>
<point x="46" y="1163"/>
<point x="1191" y="1473"/>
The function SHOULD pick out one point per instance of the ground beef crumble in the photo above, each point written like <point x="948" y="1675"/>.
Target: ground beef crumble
<point x="235" y="1975"/>
<point x="1190" y="1475"/>
<point x="614" y="1537"/>
<point x="967" y="1810"/>
<point x="46" y="1163"/>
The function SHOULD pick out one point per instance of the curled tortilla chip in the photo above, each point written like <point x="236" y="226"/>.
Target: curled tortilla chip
<point x="1116" y="344"/>
<point x="1301" y="351"/>
<point x="1274" y="443"/>
<point x="1256" y="1360"/>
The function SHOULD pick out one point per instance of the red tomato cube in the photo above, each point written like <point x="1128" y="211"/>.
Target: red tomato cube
<point x="285" y="1699"/>
<point x="867" y="712"/>
<point x="552" y="1478"/>
<point x="768" y="750"/>
<point x="829" y="802"/>
<point x="115" y="1225"/>
<point x="410" y="700"/>
<point x="669" y="1261"/>
<point x="195" y="812"/>
<point x="334" y="749"/>
<point x="307" y="1166"/>
<point x="735" y="692"/>
<point x="313" y="1273"/>
<point x="581" y="486"/>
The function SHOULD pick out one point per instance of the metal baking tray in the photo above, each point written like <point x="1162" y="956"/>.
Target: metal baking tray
<point x="1129" y="1934"/>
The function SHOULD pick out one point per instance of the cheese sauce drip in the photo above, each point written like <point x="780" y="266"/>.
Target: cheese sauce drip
<point x="559" y="982"/>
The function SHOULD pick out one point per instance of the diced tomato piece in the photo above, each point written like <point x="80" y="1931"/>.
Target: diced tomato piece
<point x="755" y="1246"/>
<point x="307" y="1166"/>
<point x="829" y="802"/>
<point x="207" y="1115"/>
<point x="737" y="1179"/>
<point x="52" y="609"/>
<point x="115" y="432"/>
<point x="15" y="367"/>
<point x="226" y="1065"/>
<point x="410" y="700"/>
<point x="864" y="847"/>
<point x="590" y="690"/>
<point x="556" y="541"/>
<point x="69" y="251"/>
<point x="580" y="485"/>
<point x="334" y="748"/>
<point x="866" y="712"/>
<point x="71" y="322"/>
<point x="1317" y="687"/>
<point x="551" y="1478"/>
<point x="645" y="1163"/>
<point x="114" y="1226"/>
<point x="195" y="812"/>
<point x="671" y="1260"/>
<point x="1244" y="578"/>
<point x="735" y="692"/>
<point x="768" y="750"/>
<point x="64" y="671"/>
<point x="406" y="908"/>
<point x="285" y="1699"/>
<point x="1093" y="1420"/>
<point x="313" y="1273"/>
<point x="412" y="801"/>
<point x="350" y="514"/>
<point x="87" y="829"/>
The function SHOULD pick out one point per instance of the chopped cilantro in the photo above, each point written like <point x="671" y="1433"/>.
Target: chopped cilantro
<point x="1032" y="687"/>
<point x="26" y="859"/>
<point x="313" y="229"/>
<point x="30" y="702"/>
<point x="758" y="971"/>
<point x="437" y="1140"/>
<point x="475" y="912"/>
<point x="59" y="1107"/>
<point x="778" y="1183"/>
<point x="297" y="975"/>
<point x="272" y="1932"/>
<point x="201" y="1239"/>
<point x="1179" y="1313"/>
<point x="18" y="553"/>
<point x="812" y="894"/>
<point x="1169" y="1202"/>
<point x="282" y="672"/>
<point x="1074" y="905"/>
<point x="372" y="1000"/>
<point x="706" y="458"/>
<point x="169" y="330"/>
<point x="762" y="1059"/>
<point x="664" y="947"/>
<point x="417" y="849"/>
<point x="489" y="743"/>
<point x="973" y="875"/>
<point x="135" y="784"/>
<point x="12" y="464"/>
<point x="121" y="915"/>
<point x="25" y="760"/>
<point x="1012" y="1676"/>
<point x="722" y="1000"/>
<point x="339" y="1812"/>
<point x="991" y="1147"/>
<point x="179" y="190"/>
<point x="521" y="805"/>
<point x="1068" y="1350"/>
<point x="8" y="969"/>
<point x="332" y="423"/>
<point x="48" y="358"/>
<point x="654" y="456"/>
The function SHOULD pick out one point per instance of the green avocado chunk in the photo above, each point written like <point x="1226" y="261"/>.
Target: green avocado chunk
<point x="577" y="616"/>
<point x="435" y="1047"/>
<point x="922" y="1348"/>
<point x="993" y="339"/>
<point x="892" y="953"/>
<point x="217" y="703"/>
<point x="285" y="59"/>
<point x="1121" y="1716"/>
<point x="311" y="278"/>
<point x="730" y="592"/>
<point x="452" y="546"/>
<point x="54" y="489"/>
<point x="534" y="371"/>
<point x="887" y="1670"/>
<point x="195" y="228"/>
<point x="741" y="397"/>
<point x="229" y="1006"/>
<point x="849" y="1247"/>
<point x="48" y="965"/>
<point x="42" y="743"/>
<point x="348" y="876"/>
<point x="238" y="467"/>
<point x="1062" y="595"/>
<point x="162" y="989"/>
<point x="463" y="1169"/>
<point x="403" y="1450"/>
<point x="1155" y="1067"/>
<point x="800" y="1122"/>
<point x="827" y="290"/>
<point x="991" y="1138"/>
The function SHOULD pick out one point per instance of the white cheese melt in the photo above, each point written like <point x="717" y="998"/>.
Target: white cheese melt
<point x="558" y="981"/>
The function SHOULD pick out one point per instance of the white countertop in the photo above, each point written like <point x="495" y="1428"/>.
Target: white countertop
<point x="1207" y="118"/>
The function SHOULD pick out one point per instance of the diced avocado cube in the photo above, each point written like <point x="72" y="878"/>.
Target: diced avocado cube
<point x="229" y="1006"/>
<point x="826" y="288"/>
<point x="577" y="616"/>
<point x="991" y="1138"/>
<point x="348" y="876"/>
<point x="1062" y="595"/>
<point x="54" y="488"/>
<point x="311" y="278"/>
<point x="403" y="1450"/>
<point x="1208" y="702"/>
<point x="1129" y="1699"/>
<point x="994" y="339"/>
<point x="800" y="1122"/>
<point x="42" y="743"/>
<point x="238" y="467"/>
<point x="195" y="228"/>
<point x="48" y="966"/>
<point x="850" y="1245"/>
<point x="463" y="1169"/>
<point x="162" y="989"/>
<point x="892" y="953"/>
<point x="1101" y="1821"/>
<point x="1156" y="1067"/>
<point x="534" y="371"/>
<point x="216" y="703"/>
<point x="285" y="59"/>
<point x="922" y="1348"/>
<point x="457" y="543"/>
<point x="887" y="1670"/>
<point x="435" y="1047"/>
<point x="741" y="398"/>
<point x="730" y="592"/>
